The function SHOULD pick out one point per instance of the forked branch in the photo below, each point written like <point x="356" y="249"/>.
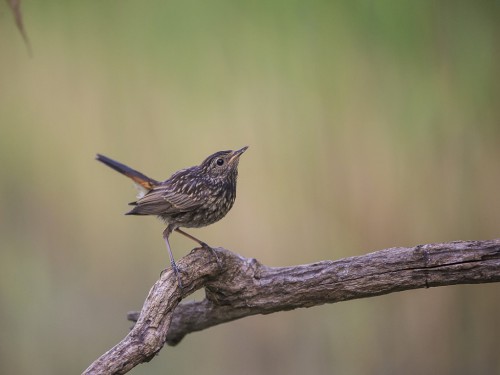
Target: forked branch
<point x="244" y="287"/>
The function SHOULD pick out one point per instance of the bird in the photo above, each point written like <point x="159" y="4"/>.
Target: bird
<point x="191" y="198"/>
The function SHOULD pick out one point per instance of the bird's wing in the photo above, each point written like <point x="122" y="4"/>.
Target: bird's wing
<point x="182" y="201"/>
<point x="160" y="201"/>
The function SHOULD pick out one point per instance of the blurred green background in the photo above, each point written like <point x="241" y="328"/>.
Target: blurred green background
<point x="371" y="124"/>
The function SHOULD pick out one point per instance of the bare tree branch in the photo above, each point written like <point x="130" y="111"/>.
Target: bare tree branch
<point x="244" y="287"/>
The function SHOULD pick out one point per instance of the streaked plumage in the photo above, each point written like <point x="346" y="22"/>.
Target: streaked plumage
<point x="193" y="197"/>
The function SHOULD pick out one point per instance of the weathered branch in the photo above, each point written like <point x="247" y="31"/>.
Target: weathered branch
<point x="243" y="287"/>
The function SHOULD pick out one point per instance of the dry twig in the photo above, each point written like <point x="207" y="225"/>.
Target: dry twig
<point x="15" y="6"/>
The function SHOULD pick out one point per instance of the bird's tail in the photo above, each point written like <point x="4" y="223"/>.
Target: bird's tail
<point x="143" y="182"/>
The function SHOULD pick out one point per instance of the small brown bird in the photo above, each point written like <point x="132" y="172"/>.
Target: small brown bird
<point x="191" y="198"/>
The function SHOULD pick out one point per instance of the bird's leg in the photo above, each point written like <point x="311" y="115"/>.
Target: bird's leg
<point x="166" y="234"/>
<point x="202" y="244"/>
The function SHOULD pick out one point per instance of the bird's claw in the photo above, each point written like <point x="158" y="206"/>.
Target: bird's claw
<point x="212" y="250"/>
<point x="177" y="272"/>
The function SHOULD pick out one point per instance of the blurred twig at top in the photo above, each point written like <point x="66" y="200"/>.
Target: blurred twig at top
<point x="15" y="6"/>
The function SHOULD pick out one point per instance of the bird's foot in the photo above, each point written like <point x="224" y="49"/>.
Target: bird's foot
<point x="177" y="272"/>
<point x="214" y="253"/>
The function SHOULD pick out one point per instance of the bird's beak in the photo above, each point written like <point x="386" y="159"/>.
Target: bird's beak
<point x="236" y="154"/>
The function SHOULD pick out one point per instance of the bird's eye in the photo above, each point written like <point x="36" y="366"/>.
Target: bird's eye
<point x="220" y="162"/>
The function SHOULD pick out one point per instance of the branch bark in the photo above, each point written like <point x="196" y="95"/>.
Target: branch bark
<point x="244" y="287"/>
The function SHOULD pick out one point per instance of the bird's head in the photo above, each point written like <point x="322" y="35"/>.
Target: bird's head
<point x="222" y="164"/>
